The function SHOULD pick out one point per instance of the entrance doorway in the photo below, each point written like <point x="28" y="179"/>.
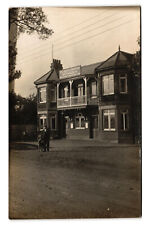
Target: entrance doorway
<point x="93" y="125"/>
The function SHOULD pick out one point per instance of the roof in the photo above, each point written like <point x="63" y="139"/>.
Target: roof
<point x="118" y="59"/>
<point x="89" y="69"/>
<point x="44" y="78"/>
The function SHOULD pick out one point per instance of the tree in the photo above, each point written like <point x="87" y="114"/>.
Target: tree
<point x="25" y="20"/>
<point x="136" y="67"/>
<point x="22" y="110"/>
<point x="137" y="60"/>
<point x="30" y="20"/>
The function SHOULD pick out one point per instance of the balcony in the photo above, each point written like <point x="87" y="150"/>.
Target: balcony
<point x="72" y="101"/>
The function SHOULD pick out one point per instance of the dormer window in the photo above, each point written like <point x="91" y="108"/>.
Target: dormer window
<point x="42" y="95"/>
<point x="108" y="84"/>
<point x="123" y="84"/>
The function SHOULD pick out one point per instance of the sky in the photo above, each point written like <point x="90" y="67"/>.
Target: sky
<point x="81" y="36"/>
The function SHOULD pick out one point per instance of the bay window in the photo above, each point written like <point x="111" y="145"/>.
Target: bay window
<point x="123" y="84"/>
<point x="124" y="120"/>
<point x="109" y="120"/>
<point x="108" y="84"/>
<point x="42" y="95"/>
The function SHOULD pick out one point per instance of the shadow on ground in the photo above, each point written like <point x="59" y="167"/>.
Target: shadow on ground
<point x="22" y="146"/>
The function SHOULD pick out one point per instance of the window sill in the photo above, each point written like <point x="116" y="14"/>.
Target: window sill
<point x="41" y="102"/>
<point x="109" y="130"/>
<point x="107" y="94"/>
<point x="94" y="96"/>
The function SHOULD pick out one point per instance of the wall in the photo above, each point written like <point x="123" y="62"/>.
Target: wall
<point x="77" y="134"/>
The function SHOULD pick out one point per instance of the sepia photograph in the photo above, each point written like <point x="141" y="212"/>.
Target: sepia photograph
<point x="75" y="135"/>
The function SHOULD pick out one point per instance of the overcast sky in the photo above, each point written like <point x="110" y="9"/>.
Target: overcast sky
<point x="81" y="36"/>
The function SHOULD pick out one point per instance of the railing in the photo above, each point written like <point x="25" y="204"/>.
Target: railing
<point x="63" y="102"/>
<point x="71" y="101"/>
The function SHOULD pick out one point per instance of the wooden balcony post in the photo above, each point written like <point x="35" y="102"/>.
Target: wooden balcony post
<point x="85" y="80"/>
<point x="70" y="83"/>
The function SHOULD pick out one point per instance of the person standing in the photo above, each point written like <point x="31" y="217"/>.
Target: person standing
<point x="47" y="138"/>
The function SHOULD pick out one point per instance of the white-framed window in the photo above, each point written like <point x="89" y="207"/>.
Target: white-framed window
<point x="80" y="90"/>
<point x="109" y="120"/>
<point x="53" y="122"/>
<point x="53" y="94"/>
<point x="42" y="95"/>
<point x="123" y="84"/>
<point x="80" y="122"/>
<point x="124" y="120"/>
<point x="42" y="121"/>
<point x="93" y="89"/>
<point x="66" y="91"/>
<point x="108" y="84"/>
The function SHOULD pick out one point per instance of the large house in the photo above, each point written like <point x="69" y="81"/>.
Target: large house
<point x="95" y="101"/>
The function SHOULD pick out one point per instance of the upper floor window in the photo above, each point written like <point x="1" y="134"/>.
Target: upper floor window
<point x="80" y="89"/>
<point x="109" y="120"/>
<point x="108" y="84"/>
<point x="123" y="84"/>
<point x="66" y="92"/>
<point x="42" y="94"/>
<point x="93" y="89"/>
<point x="53" y="94"/>
<point x="124" y="120"/>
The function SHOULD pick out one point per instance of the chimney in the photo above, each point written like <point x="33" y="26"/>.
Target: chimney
<point x="56" y="64"/>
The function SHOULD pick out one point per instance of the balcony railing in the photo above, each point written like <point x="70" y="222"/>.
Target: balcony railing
<point x="72" y="101"/>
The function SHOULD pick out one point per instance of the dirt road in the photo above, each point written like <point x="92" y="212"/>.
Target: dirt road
<point x="87" y="183"/>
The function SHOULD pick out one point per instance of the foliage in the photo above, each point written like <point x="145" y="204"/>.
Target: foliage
<point x="137" y="60"/>
<point x="22" y="110"/>
<point x="30" y="20"/>
<point x="27" y="20"/>
<point x="13" y="74"/>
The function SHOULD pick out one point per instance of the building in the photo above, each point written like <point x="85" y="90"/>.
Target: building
<point x="94" y="101"/>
